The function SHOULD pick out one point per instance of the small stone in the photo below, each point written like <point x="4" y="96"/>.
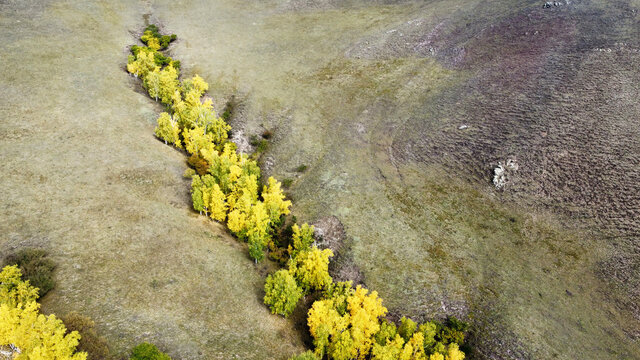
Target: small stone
<point x="462" y="127"/>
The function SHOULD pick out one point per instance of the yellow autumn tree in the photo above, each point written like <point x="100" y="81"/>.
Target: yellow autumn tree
<point x="195" y="140"/>
<point x="311" y="268"/>
<point x="195" y="83"/>
<point x="217" y="204"/>
<point x="32" y="335"/>
<point x="365" y="309"/>
<point x="302" y="238"/>
<point x="454" y="353"/>
<point x="325" y="323"/>
<point x="349" y="335"/>
<point x="168" y="130"/>
<point x="142" y="63"/>
<point x="14" y="291"/>
<point x="389" y="351"/>
<point x="152" y="83"/>
<point x="274" y="200"/>
<point x="168" y="84"/>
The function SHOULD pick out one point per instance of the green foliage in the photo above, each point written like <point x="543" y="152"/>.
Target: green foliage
<point x="387" y="332"/>
<point x="282" y="292"/>
<point x="302" y="168"/>
<point x="407" y="328"/>
<point x="453" y="331"/>
<point x="286" y="183"/>
<point x="152" y="36"/>
<point x="146" y="351"/>
<point x="36" y="267"/>
<point x="90" y="342"/>
<point x="302" y="238"/>
<point x="258" y="143"/>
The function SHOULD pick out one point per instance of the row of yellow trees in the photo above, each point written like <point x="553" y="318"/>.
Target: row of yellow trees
<point x="346" y="323"/>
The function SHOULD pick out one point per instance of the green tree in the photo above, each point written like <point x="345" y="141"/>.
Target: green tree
<point x="407" y="328"/>
<point x="282" y="292"/>
<point x="196" y="193"/>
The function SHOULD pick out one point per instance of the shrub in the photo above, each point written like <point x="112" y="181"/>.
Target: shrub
<point x="35" y="267"/>
<point x="304" y="356"/>
<point x="188" y="174"/>
<point x="146" y="351"/>
<point x="301" y="168"/>
<point x="287" y="182"/>
<point x="260" y="144"/>
<point x="199" y="164"/>
<point x="90" y="342"/>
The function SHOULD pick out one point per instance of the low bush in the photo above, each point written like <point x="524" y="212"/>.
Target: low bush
<point x="36" y="267"/>
<point x="146" y="351"/>
<point x="90" y="342"/>
<point x="199" y="164"/>
<point x="287" y="182"/>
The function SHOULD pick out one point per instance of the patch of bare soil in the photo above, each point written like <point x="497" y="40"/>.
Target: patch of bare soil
<point x="331" y="235"/>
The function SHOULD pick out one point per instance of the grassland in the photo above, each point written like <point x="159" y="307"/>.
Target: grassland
<point x="370" y="96"/>
<point x="84" y="178"/>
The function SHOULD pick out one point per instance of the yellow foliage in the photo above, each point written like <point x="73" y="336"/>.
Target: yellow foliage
<point x="454" y="353"/>
<point x="311" y="268"/>
<point x="392" y="350"/>
<point x="196" y="84"/>
<point x="13" y="291"/>
<point x="436" y="356"/>
<point x="195" y="140"/>
<point x="365" y="309"/>
<point x="237" y="221"/>
<point x="168" y="84"/>
<point x="38" y="337"/>
<point x="217" y="204"/>
<point x="153" y="43"/>
<point x="143" y="64"/>
<point x="274" y="200"/>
